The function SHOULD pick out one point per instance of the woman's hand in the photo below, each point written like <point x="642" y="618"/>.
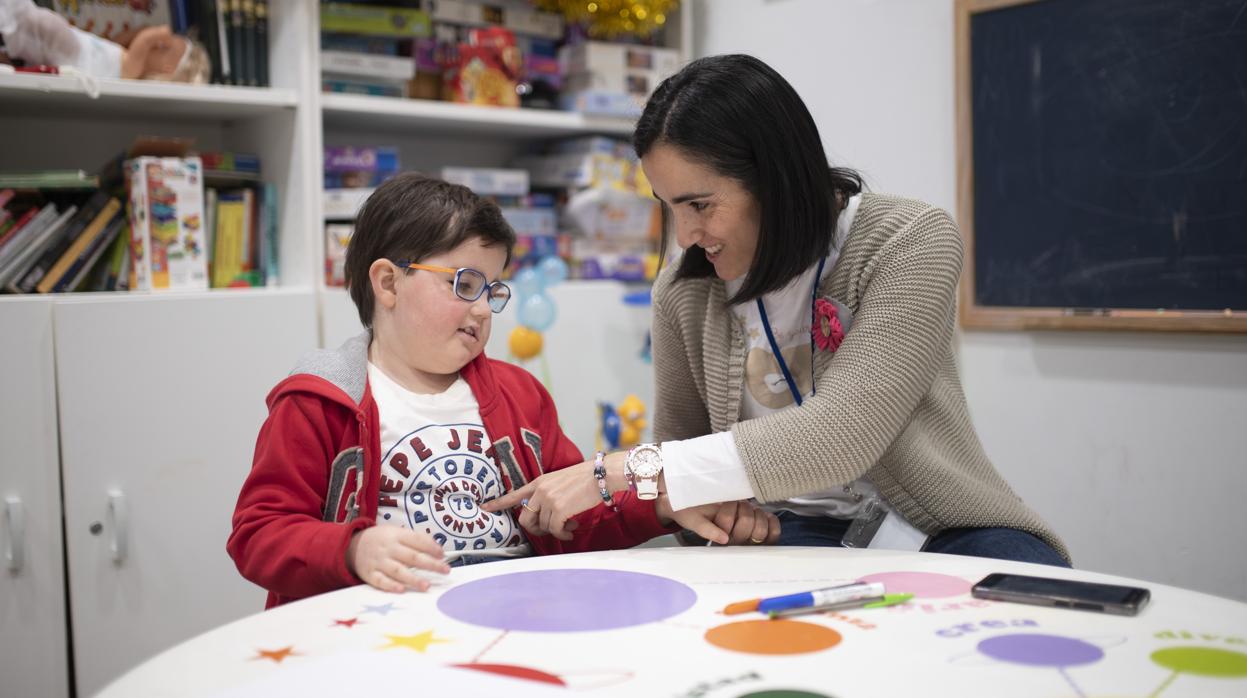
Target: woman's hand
<point x="383" y="557"/>
<point x="550" y="500"/>
<point x="725" y="523"/>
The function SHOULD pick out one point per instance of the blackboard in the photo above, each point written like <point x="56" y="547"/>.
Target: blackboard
<point x="1104" y="156"/>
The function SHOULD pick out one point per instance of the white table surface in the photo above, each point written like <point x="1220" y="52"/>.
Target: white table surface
<point x="648" y="622"/>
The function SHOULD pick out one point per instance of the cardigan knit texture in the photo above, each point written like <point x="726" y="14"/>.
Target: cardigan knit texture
<point x="888" y="405"/>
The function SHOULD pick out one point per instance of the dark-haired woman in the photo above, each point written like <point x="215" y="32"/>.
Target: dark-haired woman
<point x="803" y="344"/>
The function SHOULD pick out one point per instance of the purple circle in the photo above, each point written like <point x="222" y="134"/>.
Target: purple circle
<point x="568" y="600"/>
<point x="1041" y="650"/>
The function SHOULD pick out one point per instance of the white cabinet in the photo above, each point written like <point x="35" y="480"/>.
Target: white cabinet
<point x="160" y="402"/>
<point x="33" y="657"/>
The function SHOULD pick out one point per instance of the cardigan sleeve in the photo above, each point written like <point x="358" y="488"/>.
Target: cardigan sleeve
<point x="902" y="330"/>
<point x="679" y="412"/>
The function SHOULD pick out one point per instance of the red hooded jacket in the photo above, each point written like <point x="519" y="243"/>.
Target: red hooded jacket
<point x="315" y="479"/>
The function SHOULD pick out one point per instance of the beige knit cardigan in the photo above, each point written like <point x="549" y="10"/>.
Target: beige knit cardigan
<point x="889" y="404"/>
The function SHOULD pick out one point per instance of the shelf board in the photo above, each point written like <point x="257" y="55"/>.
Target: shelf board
<point x="46" y="95"/>
<point x="154" y="296"/>
<point x="365" y="112"/>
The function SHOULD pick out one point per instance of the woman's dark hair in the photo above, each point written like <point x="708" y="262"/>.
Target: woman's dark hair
<point x="742" y="119"/>
<point x="411" y="217"/>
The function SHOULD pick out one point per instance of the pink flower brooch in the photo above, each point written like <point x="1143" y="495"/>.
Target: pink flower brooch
<point x="826" y="328"/>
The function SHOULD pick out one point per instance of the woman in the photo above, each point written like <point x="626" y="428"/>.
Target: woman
<point x="803" y="344"/>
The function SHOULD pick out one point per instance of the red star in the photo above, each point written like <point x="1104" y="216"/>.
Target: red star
<point x="348" y="623"/>
<point x="275" y="655"/>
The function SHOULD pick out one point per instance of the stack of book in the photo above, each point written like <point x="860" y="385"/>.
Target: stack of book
<point x="368" y="49"/>
<point x="150" y="223"/>
<point x="240" y="221"/>
<point x="351" y="174"/>
<point x="60" y="237"/>
<point x="610" y="212"/>
<point x="404" y="48"/>
<point x="533" y="215"/>
<point x="613" y="79"/>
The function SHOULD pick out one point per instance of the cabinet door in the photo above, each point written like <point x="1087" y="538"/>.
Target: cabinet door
<point x="161" y="399"/>
<point x="33" y="649"/>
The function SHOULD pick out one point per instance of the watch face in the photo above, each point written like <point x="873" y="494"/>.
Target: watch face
<point x="645" y="462"/>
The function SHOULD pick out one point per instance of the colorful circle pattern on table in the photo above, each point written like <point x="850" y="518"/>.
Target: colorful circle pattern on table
<point x="567" y="600"/>
<point x="1037" y="649"/>
<point x="773" y="637"/>
<point x="923" y="585"/>
<point x="1203" y="661"/>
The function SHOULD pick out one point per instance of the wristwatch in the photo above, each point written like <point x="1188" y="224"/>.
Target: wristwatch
<point x="644" y="462"/>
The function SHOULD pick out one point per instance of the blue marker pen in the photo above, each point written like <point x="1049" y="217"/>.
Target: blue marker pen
<point x="819" y="597"/>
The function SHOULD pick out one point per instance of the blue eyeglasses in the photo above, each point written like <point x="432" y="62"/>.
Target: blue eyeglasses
<point x="470" y="284"/>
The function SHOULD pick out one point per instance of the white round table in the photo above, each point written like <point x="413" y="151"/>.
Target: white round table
<point x="649" y="622"/>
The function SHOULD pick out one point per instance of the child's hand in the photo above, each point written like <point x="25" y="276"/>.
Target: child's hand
<point x="383" y="557"/>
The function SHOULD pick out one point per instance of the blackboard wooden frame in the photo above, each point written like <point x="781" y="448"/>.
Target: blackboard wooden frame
<point x="974" y="316"/>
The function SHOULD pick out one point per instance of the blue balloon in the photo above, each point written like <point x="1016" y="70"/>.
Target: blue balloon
<point x="553" y="271"/>
<point x="537" y="312"/>
<point x="528" y="281"/>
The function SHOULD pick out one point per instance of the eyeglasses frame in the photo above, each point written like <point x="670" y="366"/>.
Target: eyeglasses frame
<point x="486" y="289"/>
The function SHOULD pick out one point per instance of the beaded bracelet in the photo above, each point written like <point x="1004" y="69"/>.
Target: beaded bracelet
<point x="599" y="473"/>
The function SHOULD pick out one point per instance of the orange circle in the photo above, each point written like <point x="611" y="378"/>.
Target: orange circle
<point x="773" y="637"/>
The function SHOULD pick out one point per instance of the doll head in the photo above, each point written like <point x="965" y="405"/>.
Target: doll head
<point x="156" y="53"/>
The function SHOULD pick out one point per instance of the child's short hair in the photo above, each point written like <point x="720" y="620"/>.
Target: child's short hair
<point x="411" y="217"/>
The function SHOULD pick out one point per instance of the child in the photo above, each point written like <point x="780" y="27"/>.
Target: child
<point x="409" y="424"/>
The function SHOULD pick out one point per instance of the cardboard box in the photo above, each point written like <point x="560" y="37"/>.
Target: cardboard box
<point x="167" y="238"/>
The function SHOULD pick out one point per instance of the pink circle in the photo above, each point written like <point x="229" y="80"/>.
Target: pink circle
<point x="923" y="585"/>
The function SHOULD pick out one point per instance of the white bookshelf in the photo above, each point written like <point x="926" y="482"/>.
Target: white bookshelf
<point x="160" y="395"/>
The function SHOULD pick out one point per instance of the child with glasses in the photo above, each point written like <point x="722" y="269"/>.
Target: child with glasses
<point x="376" y="456"/>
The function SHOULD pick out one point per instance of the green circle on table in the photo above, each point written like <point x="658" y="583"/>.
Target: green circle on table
<point x="1202" y="661"/>
<point x="784" y="693"/>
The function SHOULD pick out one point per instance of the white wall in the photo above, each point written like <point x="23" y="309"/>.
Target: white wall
<point x="1133" y="445"/>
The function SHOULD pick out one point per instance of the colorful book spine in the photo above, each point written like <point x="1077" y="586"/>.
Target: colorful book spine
<point x="78" y="272"/>
<point x="261" y="42"/>
<point x="75" y="254"/>
<point x="374" y="20"/>
<point x="232" y="219"/>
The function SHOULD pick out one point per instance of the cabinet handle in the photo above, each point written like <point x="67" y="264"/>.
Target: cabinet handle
<point x="14" y="547"/>
<point x="118" y="525"/>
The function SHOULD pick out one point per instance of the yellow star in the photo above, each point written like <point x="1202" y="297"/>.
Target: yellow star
<point x="419" y="642"/>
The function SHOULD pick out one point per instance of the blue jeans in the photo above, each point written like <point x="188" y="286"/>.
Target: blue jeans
<point x="997" y="543"/>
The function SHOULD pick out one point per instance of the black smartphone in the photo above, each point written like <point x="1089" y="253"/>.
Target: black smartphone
<point x="1062" y="593"/>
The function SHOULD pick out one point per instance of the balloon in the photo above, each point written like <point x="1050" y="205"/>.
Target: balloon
<point x="525" y="343"/>
<point x="553" y="271"/>
<point x="528" y="281"/>
<point x="537" y="312"/>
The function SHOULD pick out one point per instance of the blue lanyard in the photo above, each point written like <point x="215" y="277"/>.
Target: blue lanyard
<point x="770" y="337"/>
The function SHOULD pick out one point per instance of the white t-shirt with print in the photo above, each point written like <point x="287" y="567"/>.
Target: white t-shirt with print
<point x="434" y="467"/>
<point x="709" y="468"/>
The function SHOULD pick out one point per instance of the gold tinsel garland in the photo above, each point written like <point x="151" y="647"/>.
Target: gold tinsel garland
<point x="612" y="18"/>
